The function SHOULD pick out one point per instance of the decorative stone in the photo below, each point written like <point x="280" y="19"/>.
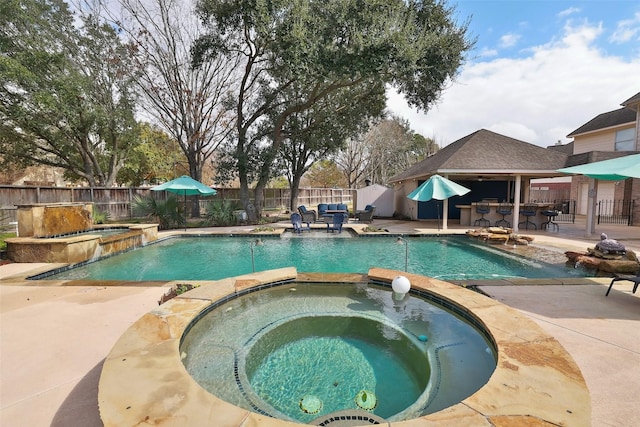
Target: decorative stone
<point x="499" y="230"/>
<point x="619" y="266"/>
<point x="631" y="256"/>
<point x="596" y="260"/>
<point x="587" y="261"/>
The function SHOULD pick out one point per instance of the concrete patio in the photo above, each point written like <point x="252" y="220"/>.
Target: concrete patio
<point x="53" y="339"/>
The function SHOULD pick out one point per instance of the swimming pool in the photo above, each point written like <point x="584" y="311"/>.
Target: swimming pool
<point x="213" y="258"/>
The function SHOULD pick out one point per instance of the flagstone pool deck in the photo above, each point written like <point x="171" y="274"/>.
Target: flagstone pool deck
<point x="54" y="339"/>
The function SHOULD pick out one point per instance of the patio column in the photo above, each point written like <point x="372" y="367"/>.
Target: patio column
<point x="516" y="203"/>
<point x="445" y="209"/>
<point x="591" y="206"/>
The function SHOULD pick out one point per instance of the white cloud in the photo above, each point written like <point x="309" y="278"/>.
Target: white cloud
<point x="488" y="53"/>
<point x="627" y="30"/>
<point x="569" y="11"/>
<point x="540" y="98"/>
<point x="509" y="40"/>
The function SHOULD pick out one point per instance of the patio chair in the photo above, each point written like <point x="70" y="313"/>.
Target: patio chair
<point x="482" y="209"/>
<point x="336" y="223"/>
<point x="345" y="208"/>
<point x="551" y="213"/>
<point x="296" y="221"/>
<point x="504" y="209"/>
<point x="308" y="215"/>
<point x="366" y="215"/>
<point x="635" y="279"/>
<point x="527" y="211"/>
<point x="322" y="211"/>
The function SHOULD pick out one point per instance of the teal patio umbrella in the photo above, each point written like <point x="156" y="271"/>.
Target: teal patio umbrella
<point x="186" y="186"/>
<point x="439" y="188"/>
<point x="609" y="170"/>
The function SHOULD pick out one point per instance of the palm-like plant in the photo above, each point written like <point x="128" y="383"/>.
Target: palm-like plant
<point x="169" y="213"/>
<point x="221" y="213"/>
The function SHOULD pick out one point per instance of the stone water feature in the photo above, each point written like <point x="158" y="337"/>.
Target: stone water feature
<point x="65" y="233"/>
<point x="608" y="256"/>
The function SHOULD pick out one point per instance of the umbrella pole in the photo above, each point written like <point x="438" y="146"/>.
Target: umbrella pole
<point x="185" y="210"/>
<point x="438" y="212"/>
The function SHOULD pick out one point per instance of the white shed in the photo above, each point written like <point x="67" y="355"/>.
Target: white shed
<point x="378" y="195"/>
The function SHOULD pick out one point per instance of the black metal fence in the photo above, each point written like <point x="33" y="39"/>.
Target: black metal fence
<point x="566" y="209"/>
<point x="615" y="212"/>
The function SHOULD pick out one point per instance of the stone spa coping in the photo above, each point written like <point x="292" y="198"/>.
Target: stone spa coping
<point x="143" y="381"/>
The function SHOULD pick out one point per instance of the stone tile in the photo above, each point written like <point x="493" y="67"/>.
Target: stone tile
<point x="458" y="415"/>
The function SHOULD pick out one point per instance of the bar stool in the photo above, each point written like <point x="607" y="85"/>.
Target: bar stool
<point x="482" y="209"/>
<point x="528" y="210"/>
<point x="550" y="214"/>
<point x="504" y="209"/>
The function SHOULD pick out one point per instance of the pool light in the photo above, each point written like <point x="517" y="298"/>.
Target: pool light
<point x="401" y="285"/>
<point x="257" y="242"/>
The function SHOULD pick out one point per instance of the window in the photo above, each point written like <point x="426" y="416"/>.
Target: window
<point x="626" y="140"/>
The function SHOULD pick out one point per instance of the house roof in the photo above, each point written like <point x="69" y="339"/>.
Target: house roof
<point x="563" y="148"/>
<point x="606" y="120"/>
<point x="487" y="152"/>
<point x="632" y="102"/>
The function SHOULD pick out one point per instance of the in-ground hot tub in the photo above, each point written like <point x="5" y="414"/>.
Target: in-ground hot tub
<point x="144" y="380"/>
<point x="329" y="343"/>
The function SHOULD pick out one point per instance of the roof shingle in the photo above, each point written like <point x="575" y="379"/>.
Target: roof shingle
<point x="484" y="150"/>
<point x="606" y="120"/>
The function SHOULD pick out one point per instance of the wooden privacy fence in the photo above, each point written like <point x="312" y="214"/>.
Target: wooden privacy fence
<point x="117" y="200"/>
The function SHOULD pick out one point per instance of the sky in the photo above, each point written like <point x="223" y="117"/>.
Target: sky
<point x="539" y="69"/>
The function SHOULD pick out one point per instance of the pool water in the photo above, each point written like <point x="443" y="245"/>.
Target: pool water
<point x="214" y="258"/>
<point x="271" y="350"/>
<point x="333" y="358"/>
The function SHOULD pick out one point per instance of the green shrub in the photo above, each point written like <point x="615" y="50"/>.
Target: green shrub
<point x="221" y="213"/>
<point x="100" y="216"/>
<point x="168" y="213"/>
<point x="3" y="236"/>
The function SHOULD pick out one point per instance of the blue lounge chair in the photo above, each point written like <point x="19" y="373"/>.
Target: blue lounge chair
<point x="367" y="214"/>
<point x="336" y="223"/>
<point x="322" y="211"/>
<point x="296" y="220"/>
<point x="308" y="216"/>
<point x="345" y="208"/>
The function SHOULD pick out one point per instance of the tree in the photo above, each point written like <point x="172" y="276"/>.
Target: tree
<point x="324" y="47"/>
<point x="325" y="174"/>
<point x="322" y="130"/>
<point x="352" y="162"/>
<point x="392" y="148"/>
<point x="156" y="158"/>
<point x="190" y="103"/>
<point x="66" y="97"/>
<point x="387" y="148"/>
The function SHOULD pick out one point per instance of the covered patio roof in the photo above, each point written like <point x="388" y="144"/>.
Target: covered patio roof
<point x="484" y="156"/>
<point x="488" y="155"/>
